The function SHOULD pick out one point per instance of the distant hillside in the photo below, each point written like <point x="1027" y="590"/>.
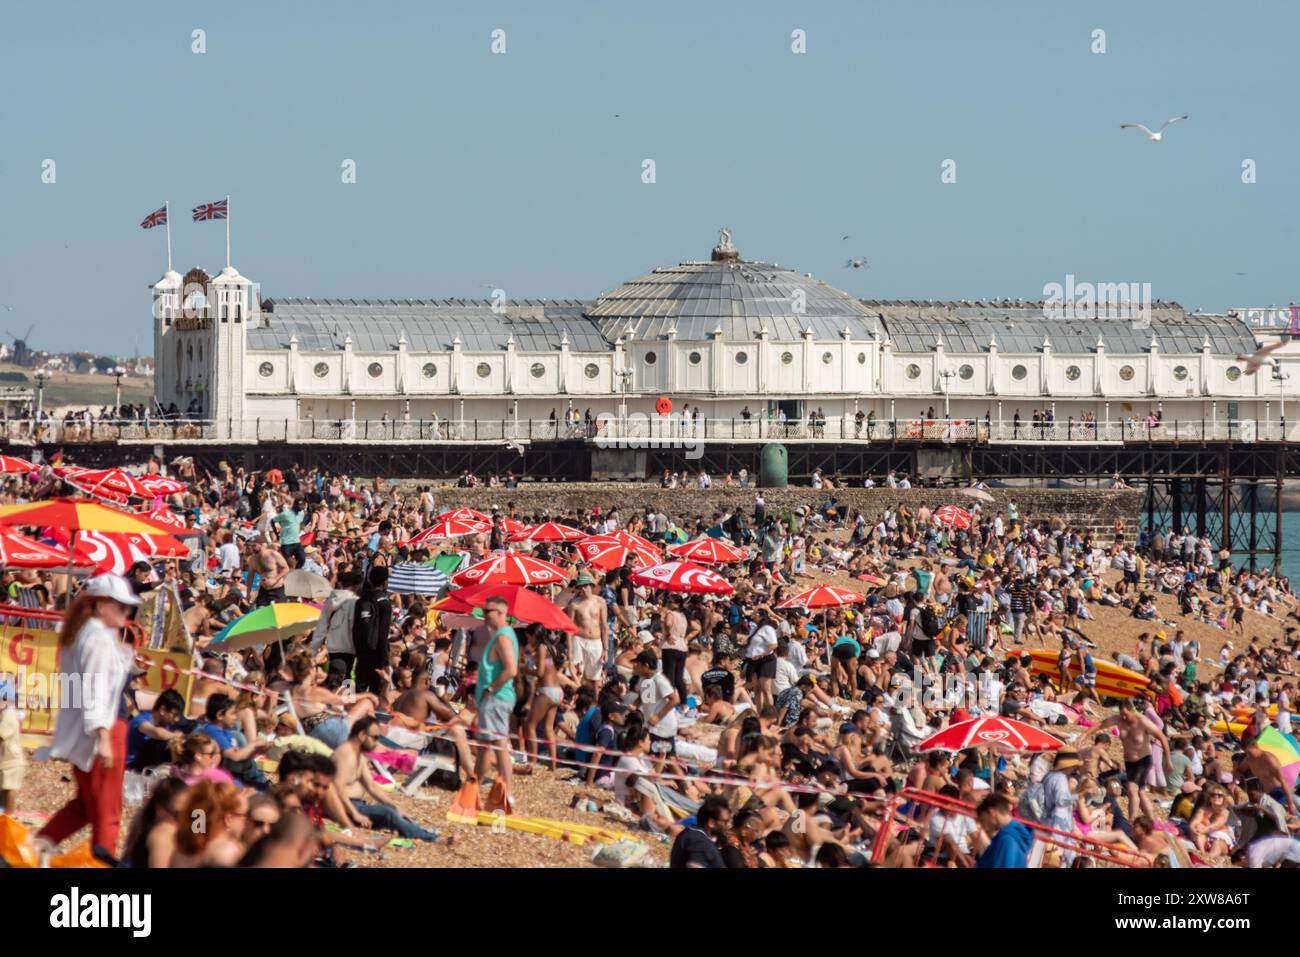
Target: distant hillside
<point x="76" y="390"/>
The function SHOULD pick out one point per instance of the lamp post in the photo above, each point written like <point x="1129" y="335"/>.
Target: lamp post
<point x="41" y="376"/>
<point x="118" y="372"/>
<point x="1281" y="378"/>
<point x="624" y="378"/>
<point x="945" y="375"/>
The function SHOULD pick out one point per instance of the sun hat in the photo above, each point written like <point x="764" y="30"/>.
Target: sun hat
<point x="1065" y="760"/>
<point x="584" y="578"/>
<point x="112" y="586"/>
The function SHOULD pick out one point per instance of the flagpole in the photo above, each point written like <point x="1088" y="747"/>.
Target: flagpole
<point x="227" y="232"/>
<point x="167" y="217"/>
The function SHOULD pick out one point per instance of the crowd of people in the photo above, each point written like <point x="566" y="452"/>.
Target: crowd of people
<point x="744" y="732"/>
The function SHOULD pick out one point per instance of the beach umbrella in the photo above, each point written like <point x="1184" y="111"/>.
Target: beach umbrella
<point x="19" y="551"/>
<point x="115" y="482"/>
<point x="301" y="583"/>
<point x="467" y="515"/>
<point x="510" y="569"/>
<point x="953" y="515"/>
<point x="66" y="471"/>
<point x="266" y="624"/>
<point x="682" y="576"/>
<point x="167" y="518"/>
<point x="160" y="485"/>
<point x="608" y="552"/>
<point x="522" y="604"/>
<point x="990" y="733"/>
<point x="415" y="578"/>
<point x="449" y="528"/>
<point x="1283" y="747"/>
<point x="12" y="466"/>
<point x="511" y="526"/>
<point x="978" y="494"/>
<point x="548" y="532"/>
<point x="709" y="550"/>
<point x="823" y="596"/>
<point x="77" y="515"/>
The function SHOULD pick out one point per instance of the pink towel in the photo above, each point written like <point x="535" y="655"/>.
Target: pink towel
<point x="395" y="760"/>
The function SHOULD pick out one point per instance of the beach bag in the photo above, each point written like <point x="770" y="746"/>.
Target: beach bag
<point x="930" y="623"/>
<point x="625" y="852"/>
<point x="16" y="848"/>
<point x="80" y="856"/>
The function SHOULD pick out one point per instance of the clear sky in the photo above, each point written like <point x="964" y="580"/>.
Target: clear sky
<point x="476" y="170"/>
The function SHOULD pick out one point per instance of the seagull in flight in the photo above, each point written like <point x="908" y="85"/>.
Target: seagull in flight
<point x="1158" y="135"/>
<point x="1260" y="358"/>
<point x="857" y="264"/>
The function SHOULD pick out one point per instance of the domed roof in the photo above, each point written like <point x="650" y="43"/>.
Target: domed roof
<point x="732" y="294"/>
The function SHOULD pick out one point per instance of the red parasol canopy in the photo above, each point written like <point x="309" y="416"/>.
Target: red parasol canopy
<point x="711" y="551"/>
<point x="525" y="605"/>
<point x="682" y="576"/>
<point x="608" y="552"/>
<point x="449" y="528"/>
<point x="510" y="569"/>
<point x="548" y="532"/>
<point x="11" y="465"/>
<point x="510" y="526"/>
<point x="19" y="551"/>
<point x="954" y="515"/>
<point x="992" y="732"/>
<point x="161" y="485"/>
<point x="165" y="516"/>
<point x="823" y="596"/>
<point x="112" y="483"/>
<point x="467" y="515"/>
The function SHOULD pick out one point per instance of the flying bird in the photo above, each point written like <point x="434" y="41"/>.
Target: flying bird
<point x="842" y="238"/>
<point x="1158" y="134"/>
<point x="857" y="264"/>
<point x="1260" y="357"/>
<point x="515" y="445"/>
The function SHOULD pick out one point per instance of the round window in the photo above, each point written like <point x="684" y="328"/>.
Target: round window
<point x="1126" y="373"/>
<point x="484" y="370"/>
<point x="862" y="358"/>
<point x="827" y="358"/>
<point x="537" y="370"/>
<point x="322" y="369"/>
<point x="1019" y="372"/>
<point x="651" y="358"/>
<point x="742" y="358"/>
<point x="375" y="370"/>
<point x="966" y="372"/>
<point x="1180" y="373"/>
<point x="1072" y="373"/>
<point x="914" y="371"/>
<point x="1233" y="373"/>
<point x="694" y="358"/>
<point x="265" y="370"/>
<point x="591" y="370"/>
<point x="429" y="370"/>
<point x="786" y="358"/>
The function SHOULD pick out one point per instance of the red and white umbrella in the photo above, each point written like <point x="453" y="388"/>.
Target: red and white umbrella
<point x="711" y="551"/>
<point x="548" y="532"/>
<point x="450" y="528"/>
<point x="109" y="552"/>
<point x="510" y="526"/>
<point x="954" y="515"/>
<point x="19" y="551"/>
<point x="608" y="552"/>
<point x="466" y="515"/>
<point x="10" y="465"/>
<point x="682" y="576"/>
<point x="165" y="516"/>
<point x="67" y="471"/>
<point x="993" y="733"/>
<point x="160" y="485"/>
<point x="823" y="596"/>
<point x="510" y="569"/>
<point x="112" y="483"/>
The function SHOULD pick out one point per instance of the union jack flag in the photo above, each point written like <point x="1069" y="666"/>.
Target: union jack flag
<point x="157" y="218"/>
<point x="210" y="211"/>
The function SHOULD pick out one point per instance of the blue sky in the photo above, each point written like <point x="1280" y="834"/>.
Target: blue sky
<point x="477" y="170"/>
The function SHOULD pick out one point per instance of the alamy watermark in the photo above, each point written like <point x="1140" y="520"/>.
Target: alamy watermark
<point x="1129" y="301"/>
<point x="672" y="430"/>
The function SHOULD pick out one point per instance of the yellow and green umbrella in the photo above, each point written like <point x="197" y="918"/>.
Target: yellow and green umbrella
<point x="79" y="515"/>
<point x="268" y="623"/>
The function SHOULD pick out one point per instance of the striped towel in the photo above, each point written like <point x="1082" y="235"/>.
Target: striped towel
<point x="413" y="578"/>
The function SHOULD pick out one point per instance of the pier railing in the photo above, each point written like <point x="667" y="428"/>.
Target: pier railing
<point x="648" y="431"/>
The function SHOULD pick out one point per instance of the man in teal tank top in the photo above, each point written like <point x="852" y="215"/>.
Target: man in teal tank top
<point x="494" y="693"/>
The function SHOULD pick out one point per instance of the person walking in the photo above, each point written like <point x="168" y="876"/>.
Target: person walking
<point x="91" y="728"/>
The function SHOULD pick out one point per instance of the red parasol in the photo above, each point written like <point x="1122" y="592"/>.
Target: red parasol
<point x="510" y="526"/>
<point x="165" y="516"/>
<point x="510" y="569"/>
<point x="467" y="515"/>
<point x="19" y="551"/>
<point x="525" y="605"/>
<point x="608" y="552"/>
<point x="993" y="733"/>
<point x="548" y="532"/>
<point x="449" y="528"/>
<point x="954" y="515"/>
<point x="111" y="483"/>
<point x="823" y="596"/>
<point x="709" y="550"/>
<point x="160" y="485"/>
<point x="682" y="576"/>
<point x="10" y="465"/>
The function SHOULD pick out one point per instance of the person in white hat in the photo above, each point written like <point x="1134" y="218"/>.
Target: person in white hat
<point x="95" y="664"/>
